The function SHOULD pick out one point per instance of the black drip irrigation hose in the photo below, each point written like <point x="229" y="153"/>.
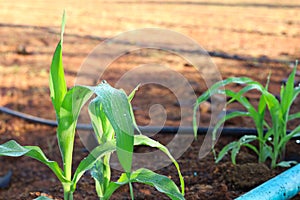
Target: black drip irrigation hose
<point x="238" y="132"/>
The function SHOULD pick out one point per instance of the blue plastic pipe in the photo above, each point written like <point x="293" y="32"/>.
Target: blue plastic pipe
<point x="284" y="186"/>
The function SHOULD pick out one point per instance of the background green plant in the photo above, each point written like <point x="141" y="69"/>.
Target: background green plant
<point x="113" y="122"/>
<point x="272" y="143"/>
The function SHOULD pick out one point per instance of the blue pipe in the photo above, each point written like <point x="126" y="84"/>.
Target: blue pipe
<point x="284" y="186"/>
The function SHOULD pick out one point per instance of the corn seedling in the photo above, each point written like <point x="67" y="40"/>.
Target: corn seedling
<point x="113" y="123"/>
<point x="272" y="142"/>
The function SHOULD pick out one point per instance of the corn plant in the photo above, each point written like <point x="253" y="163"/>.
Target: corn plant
<point x="271" y="137"/>
<point x="112" y="117"/>
<point x="102" y="110"/>
<point x="113" y="122"/>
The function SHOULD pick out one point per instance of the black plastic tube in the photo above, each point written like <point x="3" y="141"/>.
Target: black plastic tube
<point x="144" y="129"/>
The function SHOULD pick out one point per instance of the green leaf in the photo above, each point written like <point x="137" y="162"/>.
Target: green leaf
<point x="113" y="186"/>
<point x="116" y="107"/>
<point x="294" y="116"/>
<point x="63" y="25"/>
<point x="262" y="106"/>
<point x="225" y="151"/>
<point x="144" y="140"/>
<point x="227" y="117"/>
<point x="235" y="146"/>
<point x="267" y="152"/>
<point x="260" y="121"/>
<point x="286" y="163"/>
<point x="272" y="103"/>
<point x="13" y="149"/>
<point x="282" y="89"/>
<point x="256" y="116"/>
<point x="101" y="173"/>
<point x="162" y="183"/>
<point x="95" y="116"/>
<point x="234" y="153"/>
<point x="252" y="147"/>
<point x="242" y="100"/>
<point x="130" y="97"/>
<point x="296" y="92"/>
<point x="250" y="86"/>
<point x="215" y="89"/>
<point x="287" y="94"/>
<point x="247" y="139"/>
<point x="101" y="125"/>
<point x="104" y="132"/>
<point x="88" y="162"/>
<point x="57" y="82"/>
<point x="69" y="112"/>
<point x="294" y="133"/>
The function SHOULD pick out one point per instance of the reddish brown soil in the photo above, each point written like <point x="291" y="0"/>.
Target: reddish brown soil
<point x="203" y="178"/>
<point x="29" y="33"/>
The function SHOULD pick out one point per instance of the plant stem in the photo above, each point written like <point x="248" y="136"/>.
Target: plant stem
<point x="261" y="142"/>
<point x="282" y="154"/>
<point x="67" y="160"/>
<point x="261" y="152"/>
<point x="274" y="159"/>
<point x="68" y="166"/>
<point x="131" y="191"/>
<point x="68" y="194"/>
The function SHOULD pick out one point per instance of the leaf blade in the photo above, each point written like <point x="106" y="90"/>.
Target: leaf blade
<point x="116" y="107"/>
<point x="74" y="99"/>
<point x="88" y="162"/>
<point x="162" y="183"/>
<point x="57" y="82"/>
<point x="144" y="140"/>
<point x="13" y="149"/>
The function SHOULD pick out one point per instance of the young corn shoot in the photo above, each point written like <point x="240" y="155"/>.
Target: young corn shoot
<point x="271" y="145"/>
<point x="113" y="123"/>
<point x="67" y="104"/>
<point x="112" y="119"/>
